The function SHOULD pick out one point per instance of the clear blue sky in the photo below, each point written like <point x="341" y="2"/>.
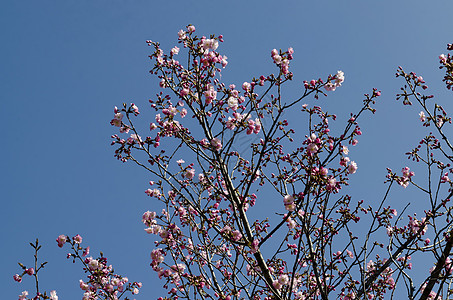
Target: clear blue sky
<point x="66" y="64"/>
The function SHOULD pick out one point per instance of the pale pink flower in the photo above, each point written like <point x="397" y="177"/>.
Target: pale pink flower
<point x="233" y="103"/>
<point x="189" y="174"/>
<point x="277" y="59"/>
<point x="283" y="279"/>
<point x="61" y="240"/>
<point x="312" y="148"/>
<point x="84" y="286"/>
<point x="443" y="58"/>
<point x="389" y="231"/>
<point x="224" y="61"/>
<point x="23" y="295"/>
<point x="182" y="35"/>
<point x="210" y="94"/>
<point x="254" y="247"/>
<point x="246" y="86"/>
<point x="422" y="116"/>
<point x="210" y="44"/>
<point x="440" y="122"/>
<point x="352" y="168"/>
<point x="77" y="239"/>
<point x="345" y="150"/>
<point x="276" y="284"/>
<point x="174" y="50"/>
<point x="53" y="295"/>
<point x="216" y="143"/>
<point x="291" y="223"/>
<point x="274" y="52"/>
<point x="135" y="109"/>
<point x="339" y="78"/>
<point x="330" y="87"/>
<point x="236" y="235"/>
<point x="191" y="28"/>
<point x="288" y="200"/>
<point x="86" y="251"/>
<point x="344" y="161"/>
<point x="93" y="264"/>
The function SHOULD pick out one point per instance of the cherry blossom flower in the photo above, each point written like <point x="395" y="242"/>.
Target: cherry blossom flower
<point x="352" y="167"/>
<point x="23" y="296"/>
<point x="422" y="116"/>
<point x="77" y="239"/>
<point x="53" y="295"/>
<point x="61" y="240"/>
<point x="216" y="143"/>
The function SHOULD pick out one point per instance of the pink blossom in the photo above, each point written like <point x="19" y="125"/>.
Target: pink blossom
<point x="53" y="295"/>
<point x="83" y="285"/>
<point x="30" y="271"/>
<point x="389" y="231"/>
<point x="77" y="239"/>
<point x="216" y="143"/>
<point x="233" y="103"/>
<point x="344" y="161"/>
<point x="17" y="278"/>
<point x="422" y="116"/>
<point x="345" y="150"/>
<point x="224" y="61"/>
<point x="93" y="264"/>
<point x="274" y="52"/>
<point x="157" y="255"/>
<point x="246" y="86"/>
<point x="312" y="148"/>
<point x="182" y="35"/>
<point x="191" y="28"/>
<point x="283" y="279"/>
<point x="210" y="94"/>
<point x="189" y="174"/>
<point x="86" y="251"/>
<point x="210" y="44"/>
<point x="23" y="296"/>
<point x="443" y="58"/>
<point x="352" y="168"/>
<point x="61" y="240"/>
<point x="236" y="235"/>
<point x="330" y="87"/>
<point x="288" y="200"/>
<point x="135" y="109"/>
<point x="339" y="78"/>
<point x="254" y="247"/>
<point x="174" y="50"/>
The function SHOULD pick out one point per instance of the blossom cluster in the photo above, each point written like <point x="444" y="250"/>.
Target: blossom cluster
<point x="102" y="281"/>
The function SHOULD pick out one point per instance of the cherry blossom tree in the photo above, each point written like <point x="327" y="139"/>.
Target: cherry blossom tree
<point x="316" y="241"/>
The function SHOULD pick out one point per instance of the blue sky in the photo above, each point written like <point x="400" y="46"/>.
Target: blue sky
<point x="66" y="64"/>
